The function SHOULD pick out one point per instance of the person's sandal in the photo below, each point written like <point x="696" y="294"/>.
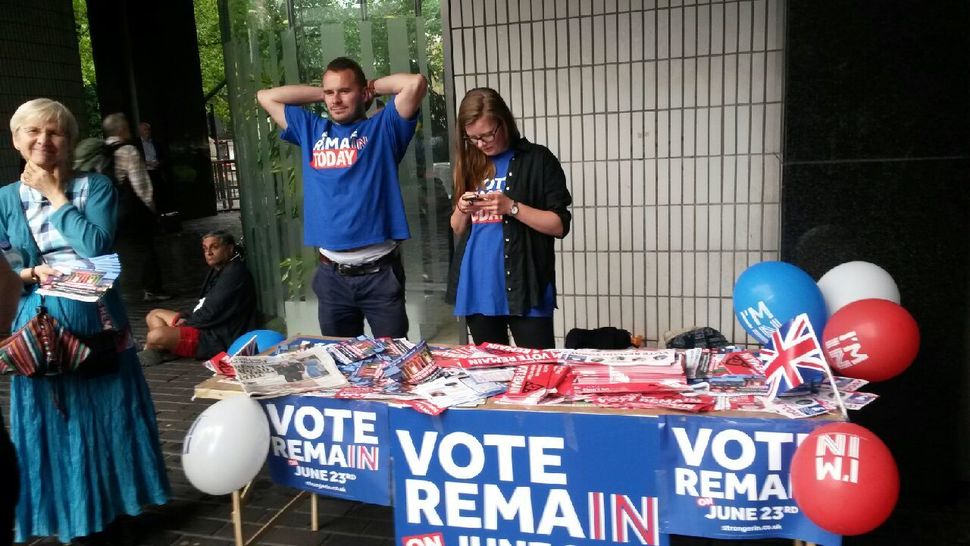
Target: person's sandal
<point x="154" y="357"/>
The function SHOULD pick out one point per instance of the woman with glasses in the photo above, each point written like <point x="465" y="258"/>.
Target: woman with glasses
<point x="510" y="204"/>
<point x="87" y="445"/>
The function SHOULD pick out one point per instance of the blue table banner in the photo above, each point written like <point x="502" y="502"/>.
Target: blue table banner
<point x="332" y="447"/>
<point x="493" y="478"/>
<point x="728" y="478"/>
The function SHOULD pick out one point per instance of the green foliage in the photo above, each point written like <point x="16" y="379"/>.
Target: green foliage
<point x="91" y="117"/>
<point x="292" y="276"/>
<point x="211" y="60"/>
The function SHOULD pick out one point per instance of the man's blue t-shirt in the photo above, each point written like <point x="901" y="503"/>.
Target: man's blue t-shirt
<point x="481" y="282"/>
<point x="351" y="194"/>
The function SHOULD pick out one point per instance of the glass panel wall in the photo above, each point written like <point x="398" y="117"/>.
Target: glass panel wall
<point x="276" y="42"/>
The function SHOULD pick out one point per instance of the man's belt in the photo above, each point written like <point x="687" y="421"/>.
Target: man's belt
<point x="366" y="268"/>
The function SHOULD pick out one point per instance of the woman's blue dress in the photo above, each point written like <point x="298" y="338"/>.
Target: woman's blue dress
<point x="88" y="449"/>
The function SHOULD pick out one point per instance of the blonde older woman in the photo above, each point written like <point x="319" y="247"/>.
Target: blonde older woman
<point x="87" y="446"/>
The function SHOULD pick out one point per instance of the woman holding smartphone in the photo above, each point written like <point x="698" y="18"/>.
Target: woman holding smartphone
<point x="511" y="202"/>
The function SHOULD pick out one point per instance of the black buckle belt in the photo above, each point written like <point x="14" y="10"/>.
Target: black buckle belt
<point x="355" y="270"/>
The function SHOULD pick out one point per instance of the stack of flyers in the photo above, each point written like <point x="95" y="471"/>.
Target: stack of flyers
<point x="534" y="383"/>
<point x="83" y="279"/>
<point x="355" y="350"/>
<point x="394" y="347"/>
<point x="732" y="372"/>
<point x="800" y="407"/>
<point x="745" y="402"/>
<point x="679" y="402"/>
<point x="851" y="400"/>
<point x="416" y="366"/>
<point x="220" y="365"/>
<point x="492" y="355"/>
<point x="592" y="379"/>
<point x="447" y="392"/>
<point x="626" y="357"/>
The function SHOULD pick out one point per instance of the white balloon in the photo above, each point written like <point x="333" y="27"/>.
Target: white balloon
<point x="226" y="446"/>
<point x="854" y="281"/>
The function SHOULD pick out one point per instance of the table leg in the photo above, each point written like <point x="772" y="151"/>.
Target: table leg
<point x="314" y="516"/>
<point x="237" y="518"/>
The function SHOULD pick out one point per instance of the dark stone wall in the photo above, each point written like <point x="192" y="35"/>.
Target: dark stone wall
<point x="147" y="60"/>
<point x="38" y="58"/>
<point x="877" y="156"/>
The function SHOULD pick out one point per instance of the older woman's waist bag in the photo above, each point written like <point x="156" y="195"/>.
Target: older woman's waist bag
<point x="43" y="347"/>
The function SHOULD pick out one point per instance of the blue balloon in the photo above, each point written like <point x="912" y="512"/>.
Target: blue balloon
<point x="264" y="340"/>
<point x="769" y="294"/>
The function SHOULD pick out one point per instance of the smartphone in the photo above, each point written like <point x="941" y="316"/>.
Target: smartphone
<point x="473" y="197"/>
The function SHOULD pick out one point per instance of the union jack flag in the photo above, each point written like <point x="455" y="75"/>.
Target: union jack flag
<point x="250" y="348"/>
<point x="793" y="357"/>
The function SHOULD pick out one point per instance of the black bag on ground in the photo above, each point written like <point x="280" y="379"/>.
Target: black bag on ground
<point x="704" y="338"/>
<point x="606" y="337"/>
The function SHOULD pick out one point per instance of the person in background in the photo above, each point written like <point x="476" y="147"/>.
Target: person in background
<point x="88" y="446"/>
<point x="352" y="196"/>
<point x="155" y="157"/>
<point x="137" y="213"/>
<point x="225" y="311"/>
<point x="511" y="203"/>
<point x="10" y="287"/>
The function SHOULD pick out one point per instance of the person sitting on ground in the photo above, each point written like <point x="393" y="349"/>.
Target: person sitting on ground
<point x="225" y="311"/>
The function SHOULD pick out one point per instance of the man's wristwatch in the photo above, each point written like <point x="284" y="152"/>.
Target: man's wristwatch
<point x="515" y="209"/>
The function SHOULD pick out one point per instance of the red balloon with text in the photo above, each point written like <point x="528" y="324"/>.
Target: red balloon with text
<point x="871" y="339"/>
<point x="844" y="479"/>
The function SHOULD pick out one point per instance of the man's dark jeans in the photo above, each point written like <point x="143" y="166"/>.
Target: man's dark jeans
<point x="346" y="300"/>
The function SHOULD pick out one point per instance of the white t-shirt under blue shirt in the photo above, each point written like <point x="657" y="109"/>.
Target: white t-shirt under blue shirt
<point x="481" y="282"/>
<point x="351" y="194"/>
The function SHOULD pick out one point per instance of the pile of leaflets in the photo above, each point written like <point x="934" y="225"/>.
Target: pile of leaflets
<point x="83" y="279"/>
<point x="734" y="378"/>
<point x="431" y="379"/>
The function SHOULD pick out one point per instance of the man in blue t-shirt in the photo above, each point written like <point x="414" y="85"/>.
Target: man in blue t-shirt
<point x="352" y="206"/>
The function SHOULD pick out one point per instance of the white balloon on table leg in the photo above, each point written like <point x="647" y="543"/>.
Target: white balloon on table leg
<point x="226" y="446"/>
<point x="854" y="281"/>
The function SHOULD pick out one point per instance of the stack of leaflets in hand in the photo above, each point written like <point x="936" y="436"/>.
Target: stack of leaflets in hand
<point x="307" y="370"/>
<point x="84" y="279"/>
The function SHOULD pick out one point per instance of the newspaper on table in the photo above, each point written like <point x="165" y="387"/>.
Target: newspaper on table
<point x="83" y="279"/>
<point x="306" y="370"/>
<point x="222" y="363"/>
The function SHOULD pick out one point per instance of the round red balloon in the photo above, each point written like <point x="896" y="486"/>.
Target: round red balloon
<point x="844" y="479"/>
<point x="871" y="339"/>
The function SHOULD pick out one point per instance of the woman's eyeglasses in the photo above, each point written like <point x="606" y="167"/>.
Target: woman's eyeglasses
<point x="486" y="138"/>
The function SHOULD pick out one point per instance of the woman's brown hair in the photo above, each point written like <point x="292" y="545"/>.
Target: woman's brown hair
<point x="472" y="166"/>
